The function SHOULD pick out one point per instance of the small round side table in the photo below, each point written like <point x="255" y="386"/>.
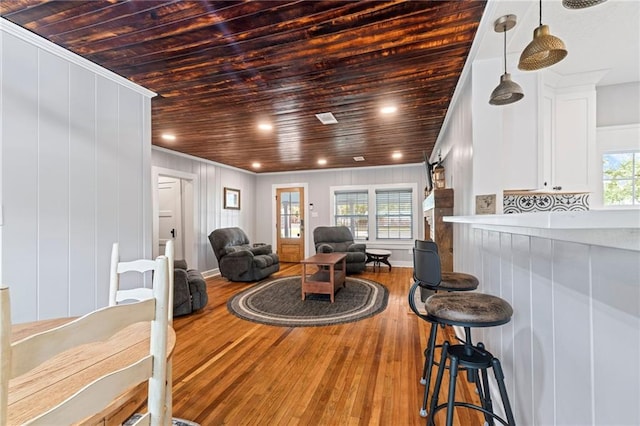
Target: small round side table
<point x="378" y="256"/>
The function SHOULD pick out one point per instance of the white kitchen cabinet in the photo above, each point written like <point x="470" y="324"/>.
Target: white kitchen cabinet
<point x="568" y="137"/>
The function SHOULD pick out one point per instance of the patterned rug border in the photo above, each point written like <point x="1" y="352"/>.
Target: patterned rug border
<point x="236" y="306"/>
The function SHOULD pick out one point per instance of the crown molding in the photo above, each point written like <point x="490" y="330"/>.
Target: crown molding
<point x="9" y="27"/>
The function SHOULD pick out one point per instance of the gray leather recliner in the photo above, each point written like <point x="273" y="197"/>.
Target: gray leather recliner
<point x="238" y="260"/>
<point x="332" y="239"/>
<point x="189" y="289"/>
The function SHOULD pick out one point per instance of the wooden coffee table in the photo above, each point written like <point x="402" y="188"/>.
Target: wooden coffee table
<point x="324" y="281"/>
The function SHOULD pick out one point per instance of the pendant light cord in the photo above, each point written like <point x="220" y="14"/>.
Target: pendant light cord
<point x="505" y="48"/>
<point x="540" y="12"/>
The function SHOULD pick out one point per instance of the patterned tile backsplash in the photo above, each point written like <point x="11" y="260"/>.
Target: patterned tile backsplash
<point x="526" y="202"/>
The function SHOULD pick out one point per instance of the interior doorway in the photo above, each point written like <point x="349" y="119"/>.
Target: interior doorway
<point x="173" y="213"/>
<point x="170" y="226"/>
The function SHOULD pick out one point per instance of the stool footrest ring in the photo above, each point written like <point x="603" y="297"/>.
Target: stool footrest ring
<point x="470" y="406"/>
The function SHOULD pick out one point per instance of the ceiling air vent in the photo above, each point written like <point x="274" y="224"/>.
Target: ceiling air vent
<point x="358" y="158"/>
<point x="326" y="118"/>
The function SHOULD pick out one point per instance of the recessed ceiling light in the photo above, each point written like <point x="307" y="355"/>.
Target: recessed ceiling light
<point x="265" y="126"/>
<point x="322" y="161"/>
<point x="388" y="109"/>
<point x="168" y="137"/>
<point x="359" y="158"/>
<point x="326" y="118"/>
<point x="396" y="155"/>
<point x="256" y="165"/>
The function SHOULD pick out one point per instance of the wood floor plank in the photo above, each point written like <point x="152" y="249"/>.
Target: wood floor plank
<point x="229" y="371"/>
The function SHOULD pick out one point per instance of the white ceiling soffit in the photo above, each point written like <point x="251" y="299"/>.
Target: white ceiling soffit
<point x="603" y="38"/>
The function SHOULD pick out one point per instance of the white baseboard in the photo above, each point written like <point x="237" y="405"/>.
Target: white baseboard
<point x="211" y="273"/>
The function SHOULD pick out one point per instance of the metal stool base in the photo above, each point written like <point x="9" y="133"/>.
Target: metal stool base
<point x="477" y="361"/>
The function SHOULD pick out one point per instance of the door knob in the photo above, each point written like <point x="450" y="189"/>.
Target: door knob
<point x="173" y="232"/>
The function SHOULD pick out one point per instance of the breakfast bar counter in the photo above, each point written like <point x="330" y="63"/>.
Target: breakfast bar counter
<point x="573" y="278"/>
<point x="619" y="228"/>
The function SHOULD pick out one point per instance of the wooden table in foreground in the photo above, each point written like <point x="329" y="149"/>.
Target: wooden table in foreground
<point x="55" y="380"/>
<point x="324" y="281"/>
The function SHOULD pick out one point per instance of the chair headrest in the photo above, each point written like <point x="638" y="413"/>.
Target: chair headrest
<point x="427" y="271"/>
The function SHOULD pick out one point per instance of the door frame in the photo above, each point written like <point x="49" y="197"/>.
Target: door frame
<point x="189" y="210"/>
<point x="305" y="190"/>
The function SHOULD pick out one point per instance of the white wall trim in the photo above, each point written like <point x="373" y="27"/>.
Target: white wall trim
<point x="190" y="239"/>
<point x="202" y="160"/>
<point x="211" y="273"/>
<point x="616" y="127"/>
<point x="42" y="43"/>
<point x="295" y="172"/>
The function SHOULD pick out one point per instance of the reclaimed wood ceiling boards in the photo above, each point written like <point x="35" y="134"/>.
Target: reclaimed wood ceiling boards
<point x="220" y="67"/>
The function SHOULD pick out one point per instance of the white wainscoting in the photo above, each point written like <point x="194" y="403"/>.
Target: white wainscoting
<point x="209" y="213"/>
<point x="76" y="148"/>
<point x="570" y="353"/>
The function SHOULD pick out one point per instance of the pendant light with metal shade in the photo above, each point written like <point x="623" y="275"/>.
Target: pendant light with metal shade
<point x="544" y="51"/>
<point x="507" y="91"/>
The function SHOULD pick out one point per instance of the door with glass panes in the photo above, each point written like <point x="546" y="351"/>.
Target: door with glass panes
<point x="290" y="224"/>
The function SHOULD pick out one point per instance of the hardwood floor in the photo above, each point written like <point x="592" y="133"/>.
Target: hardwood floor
<point x="228" y="371"/>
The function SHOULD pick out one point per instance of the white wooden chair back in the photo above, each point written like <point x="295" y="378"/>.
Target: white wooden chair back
<point x="117" y="295"/>
<point x="21" y="357"/>
<point x="169" y="253"/>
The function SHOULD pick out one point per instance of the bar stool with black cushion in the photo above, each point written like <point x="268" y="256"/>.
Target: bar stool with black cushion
<point x="450" y="281"/>
<point x="469" y="310"/>
<point x="428" y="276"/>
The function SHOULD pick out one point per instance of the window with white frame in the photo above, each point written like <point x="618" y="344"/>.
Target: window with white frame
<point x="394" y="214"/>
<point x="621" y="178"/>
<point x="377" y="212"/>
<point x="352" y="211"/>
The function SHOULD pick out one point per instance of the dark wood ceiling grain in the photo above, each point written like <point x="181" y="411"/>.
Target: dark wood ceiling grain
<point x="220" y="67"/>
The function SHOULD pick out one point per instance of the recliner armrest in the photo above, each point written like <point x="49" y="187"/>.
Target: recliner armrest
<point x="264" y="249"/>
<point x="181" y="293"/>
<point x="324" y="248"/>
<point x="357" y="247"/>
<point x="238" y="254"/>
<point x="180" y="264"/>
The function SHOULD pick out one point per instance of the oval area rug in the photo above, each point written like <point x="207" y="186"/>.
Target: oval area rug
<point x="279" y="302"/>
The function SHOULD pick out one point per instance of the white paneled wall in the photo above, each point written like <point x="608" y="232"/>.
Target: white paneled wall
<point x="76" y="149"/>
<point x="570" y="353"/>
<point x="209" y="214"/>
<point x="319" y="184"/>
<point x="256" y="217"/>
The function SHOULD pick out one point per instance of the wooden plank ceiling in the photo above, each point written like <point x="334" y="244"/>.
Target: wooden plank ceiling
<point x="221" y="67"/>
